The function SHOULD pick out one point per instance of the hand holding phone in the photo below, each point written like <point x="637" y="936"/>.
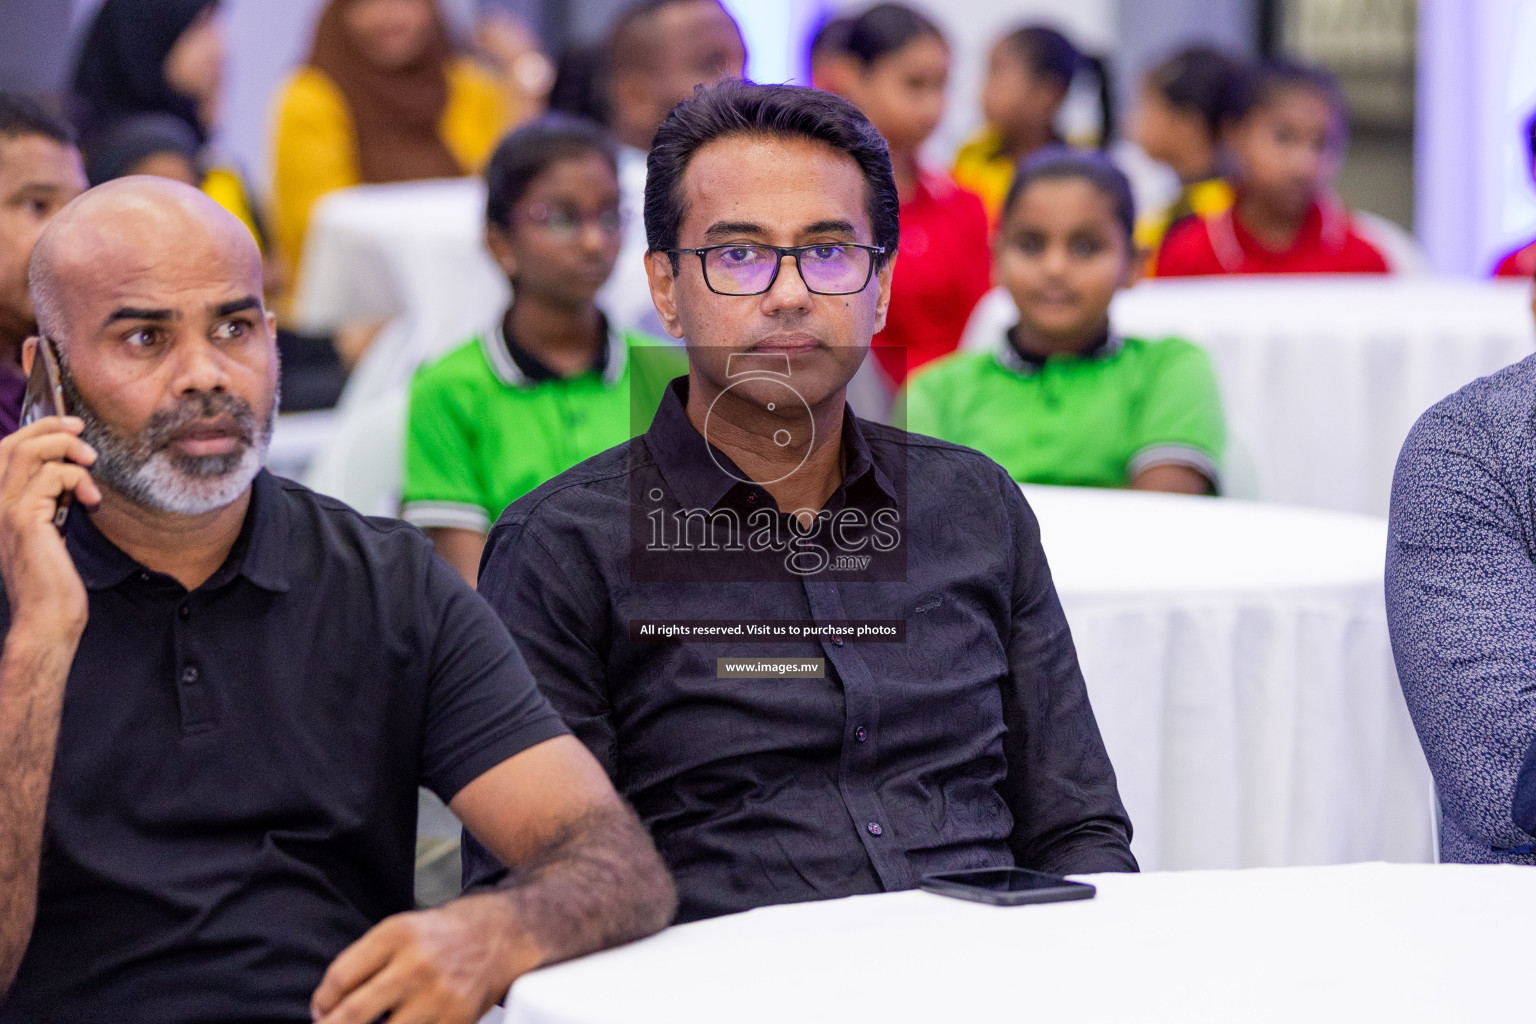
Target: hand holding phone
<point x="45" y="397"/>
<point x="1005" y="887"/>
<point x="40" y="463"/>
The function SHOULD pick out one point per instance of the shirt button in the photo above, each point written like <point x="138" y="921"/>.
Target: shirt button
<point x="874" y="828"/>
<point x="189" y="674"/>
<point x="837" y="641"/>
<point x="751" y="498"/>
<point x="860" y="734"/>
<point x="184" y="612"/>
<point x="144" y="576"/>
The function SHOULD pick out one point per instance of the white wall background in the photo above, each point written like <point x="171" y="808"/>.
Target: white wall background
<point x="1477" y="85"/>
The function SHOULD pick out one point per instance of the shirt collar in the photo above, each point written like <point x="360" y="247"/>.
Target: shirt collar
<point x="1015" y="360"/>
<point x="515" y="367"/>
<point x="702" y="476"/>
<point x="1325" y="227"/>
<point x="258" y="553"/>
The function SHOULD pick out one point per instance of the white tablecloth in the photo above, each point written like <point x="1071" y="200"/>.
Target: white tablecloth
<point x="1322" y="377"/>
<point x="1238" y="663"/>
<point x="1369" y="942"/>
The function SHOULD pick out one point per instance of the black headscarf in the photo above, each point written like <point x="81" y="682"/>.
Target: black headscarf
<point x="121" y="65"/>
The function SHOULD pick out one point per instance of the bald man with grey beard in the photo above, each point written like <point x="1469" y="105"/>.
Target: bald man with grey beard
<point x="219" y="691"/>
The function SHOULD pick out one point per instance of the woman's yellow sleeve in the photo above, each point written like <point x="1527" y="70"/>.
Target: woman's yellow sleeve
<point x="314" y="152"/>
<point x="479" y="113"/>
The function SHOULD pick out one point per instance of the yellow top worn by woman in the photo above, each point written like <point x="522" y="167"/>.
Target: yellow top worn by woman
<point x="316" y="148"/>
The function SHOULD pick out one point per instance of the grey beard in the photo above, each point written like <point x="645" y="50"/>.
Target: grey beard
<point x="150" y="472"/>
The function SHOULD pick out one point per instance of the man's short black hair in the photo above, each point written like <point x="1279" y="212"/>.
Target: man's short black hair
<point x="21" y="115"/>
<point x="530" y="151"/>
<point x="735" y="107"/>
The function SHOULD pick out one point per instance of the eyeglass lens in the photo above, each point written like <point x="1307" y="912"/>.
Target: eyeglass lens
<point x="748" y="269"/>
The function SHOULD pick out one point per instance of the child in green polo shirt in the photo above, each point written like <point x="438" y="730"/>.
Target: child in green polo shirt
<point x="550" y="383"/>
<point x="1062" y="399"/>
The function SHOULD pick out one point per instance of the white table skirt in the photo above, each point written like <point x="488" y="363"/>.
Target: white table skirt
<point x="1321" y="377"/>
<point x="1239" y="667"/>
<point x="1358" y="943"/>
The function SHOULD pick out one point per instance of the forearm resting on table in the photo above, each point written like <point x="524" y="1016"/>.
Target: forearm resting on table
<point x="600" y="883"/>
<point x="32" y="675"/>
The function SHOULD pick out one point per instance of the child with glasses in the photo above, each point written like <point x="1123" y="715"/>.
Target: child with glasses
<point x="551" y="383"/>
<point x="897" y="73"/>
<point x="1062" y="399"/>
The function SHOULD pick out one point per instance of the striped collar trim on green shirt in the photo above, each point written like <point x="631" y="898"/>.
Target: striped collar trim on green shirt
<point x="493" y="345"/>
<point x="1008" y="356"/>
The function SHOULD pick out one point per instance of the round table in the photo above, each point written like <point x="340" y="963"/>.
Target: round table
<point x="1239" y="666"/>
<point x="1321" y="377"/>
<point x="1367" y="942"/>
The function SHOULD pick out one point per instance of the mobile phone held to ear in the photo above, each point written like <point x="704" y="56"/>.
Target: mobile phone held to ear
<point x="1005" y="887"/>
<point x="45" y="397"/>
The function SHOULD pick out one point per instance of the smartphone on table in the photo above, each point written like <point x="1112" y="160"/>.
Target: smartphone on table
<point x="45" y="397"/>
<point x="1005" y="887"/>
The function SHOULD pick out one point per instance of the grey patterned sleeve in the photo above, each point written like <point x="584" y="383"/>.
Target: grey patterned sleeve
<point x="1461" y="604"/>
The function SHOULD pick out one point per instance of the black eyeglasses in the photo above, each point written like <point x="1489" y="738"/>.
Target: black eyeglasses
<point x="829" y="268"/>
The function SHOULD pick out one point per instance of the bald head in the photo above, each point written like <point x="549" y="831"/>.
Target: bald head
<point x="135" y="234"/>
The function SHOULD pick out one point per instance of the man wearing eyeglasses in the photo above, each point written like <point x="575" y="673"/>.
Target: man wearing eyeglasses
<point x="821" y="657"/>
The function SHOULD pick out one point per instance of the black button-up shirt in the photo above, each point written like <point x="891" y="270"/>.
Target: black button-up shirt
<point x="234" y="794"/>
<point x="970" y="743"/>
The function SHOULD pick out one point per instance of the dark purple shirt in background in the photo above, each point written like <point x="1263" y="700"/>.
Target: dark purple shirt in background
<point x="12" y="386"/>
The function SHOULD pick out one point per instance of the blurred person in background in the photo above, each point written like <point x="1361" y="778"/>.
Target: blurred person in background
<point x="898" y="77"/>
<point x="550" y="384"/>
<point x="580" y="86"/>
<point x="1184" y="104"/>
<point x="154" y="144"/>
<point x="1522" y="262"/>
<point x="1061" y="398"/>
<point x="1029" y="73"/>
<point x="164" y="58"/>
<point x="1287" y="137"/>
<point x="829" y="55"/>
<point x="39" y="173"/>
<point x="384" y="97"/>
<point x="658" y="51"/>
<point x="513" y="53"/>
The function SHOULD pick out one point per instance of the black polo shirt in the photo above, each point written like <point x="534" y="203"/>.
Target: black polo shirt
<point x="234" y="794"/>
<point x="968" y="743"/>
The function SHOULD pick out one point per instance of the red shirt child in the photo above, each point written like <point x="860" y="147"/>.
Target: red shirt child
<point x="942" y="270"/>
<point x="1219" y="244"/>
<point x="1286" y="138"/>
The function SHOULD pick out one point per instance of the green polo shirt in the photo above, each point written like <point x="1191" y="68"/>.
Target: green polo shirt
<point x="1091" y="420"/>
<point x="483" y="430"/>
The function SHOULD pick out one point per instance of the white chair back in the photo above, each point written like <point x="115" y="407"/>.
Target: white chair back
<point x="364" y="462"/>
